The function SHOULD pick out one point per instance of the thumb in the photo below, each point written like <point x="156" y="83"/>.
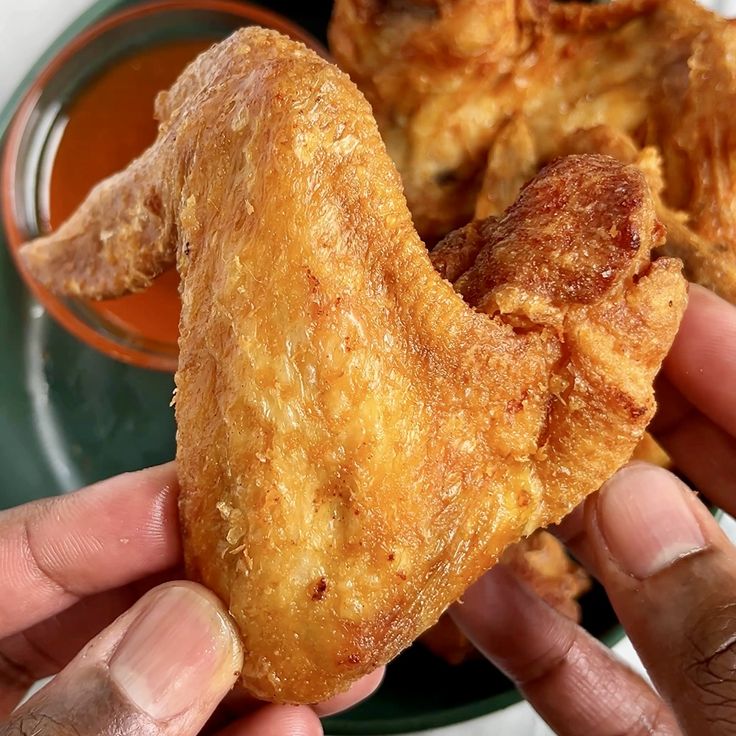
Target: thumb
<point x="670" y="573"/>
<point x="159" y="669"/>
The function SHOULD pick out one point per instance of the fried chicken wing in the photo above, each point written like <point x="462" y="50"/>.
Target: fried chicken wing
<point x="458" y="86"/>
<point x="357" y="442"/>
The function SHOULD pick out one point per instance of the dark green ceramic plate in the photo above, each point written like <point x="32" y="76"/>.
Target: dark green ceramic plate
<point x="70" y="416"/>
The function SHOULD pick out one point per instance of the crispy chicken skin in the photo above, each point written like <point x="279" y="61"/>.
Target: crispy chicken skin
<point x="456" y="82"/>
<point x="123" y="235"/>
<point x="513" y="159"/>
<point x="355" y="443"/>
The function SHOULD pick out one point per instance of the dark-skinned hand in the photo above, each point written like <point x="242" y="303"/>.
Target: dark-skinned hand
<point x="669" y="570"/>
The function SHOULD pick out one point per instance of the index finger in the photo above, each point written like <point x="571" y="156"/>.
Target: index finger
<point x="702" y="362"/>
<point x="578" y="686"/>
<point x="668" y="570"/>
<point x="57" y="551"/>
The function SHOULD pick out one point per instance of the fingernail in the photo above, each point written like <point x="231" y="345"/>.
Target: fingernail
<point x="180" y="650"/>
<point x="646" y="520"/>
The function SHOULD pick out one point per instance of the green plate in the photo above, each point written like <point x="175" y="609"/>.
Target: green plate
<point x="70" y="416"/>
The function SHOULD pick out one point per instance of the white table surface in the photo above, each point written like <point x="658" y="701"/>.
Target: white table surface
<point x="27" y="27"/>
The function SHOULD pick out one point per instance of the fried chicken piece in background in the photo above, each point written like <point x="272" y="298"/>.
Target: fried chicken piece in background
<point x="356" y="442"/>
<point x="450" y="80"/>
<point x="541" y="561"/>
<point x="514" y="159"/>
<point x="446" y="641"/>
<point x="650" y="451"/>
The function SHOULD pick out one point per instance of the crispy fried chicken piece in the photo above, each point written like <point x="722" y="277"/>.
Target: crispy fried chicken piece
<point x="356" y="444"/>
<point x="541" y="561"/>
<point x="450" y="80"/>
<point x="513" y="159"/>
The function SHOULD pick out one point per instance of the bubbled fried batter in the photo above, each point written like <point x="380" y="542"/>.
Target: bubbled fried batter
<point x="514" y="159"/>
<point x="356" y="443"/>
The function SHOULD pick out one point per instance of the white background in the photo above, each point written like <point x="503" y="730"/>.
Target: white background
<point x="27" y="27"/>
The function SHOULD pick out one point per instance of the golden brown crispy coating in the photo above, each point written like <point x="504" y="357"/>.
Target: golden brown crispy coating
<point x="117" y="242"/>
<point x="122" y="236"/>
<point x="356" y="444"/>
<point x="452" y="81"/>
<point x="514" y="159"/>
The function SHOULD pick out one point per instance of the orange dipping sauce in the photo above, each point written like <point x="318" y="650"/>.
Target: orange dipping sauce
<point x="108" y="125"/>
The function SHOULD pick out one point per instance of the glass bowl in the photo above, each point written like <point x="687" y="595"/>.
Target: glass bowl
<point x="34" y="133"/>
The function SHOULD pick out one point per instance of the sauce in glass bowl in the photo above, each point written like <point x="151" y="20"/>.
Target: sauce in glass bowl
<point x="85" y="115"/>
<point x="109" y="124"/>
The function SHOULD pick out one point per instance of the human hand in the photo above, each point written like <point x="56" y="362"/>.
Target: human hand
<point x="669" y="570"/>
<point x="74" y="565"/>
